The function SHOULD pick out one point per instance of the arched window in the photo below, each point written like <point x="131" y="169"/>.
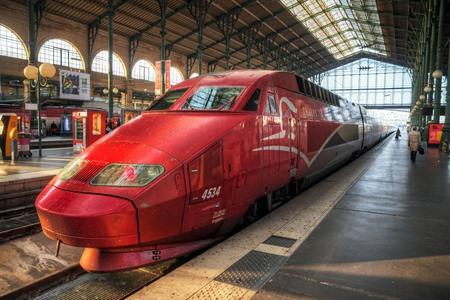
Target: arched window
<point x="10" y="44"/>
<point x="100" y="64"/>
<point x="143" y="70"/>
<point x="175" y="76"/>
<point x="193" y="75"/>
<point x="61" y="53"/>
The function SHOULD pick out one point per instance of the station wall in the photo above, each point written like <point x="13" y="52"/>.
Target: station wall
<point x="15" y="17"/>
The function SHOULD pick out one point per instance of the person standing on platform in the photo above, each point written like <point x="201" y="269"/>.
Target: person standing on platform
<point x="414" y="143"/>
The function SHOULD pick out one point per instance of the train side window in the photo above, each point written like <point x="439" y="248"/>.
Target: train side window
<point x="307" y="88"/>
<point x="252" y="103"/>
<point x="167" y="99"/>
<point x="335" y="100"/>
<point x="321" y="94"/>
<point x="301" y="84"/>
<point x="271" y="105"/>
<point x="316" y="91"/>
<point x="327" y="96"/>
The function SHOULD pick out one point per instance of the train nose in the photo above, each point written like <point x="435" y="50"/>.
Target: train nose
<point x="87" y="220"/>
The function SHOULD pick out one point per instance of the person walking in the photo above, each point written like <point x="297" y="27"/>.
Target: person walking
<point x="414" y="143"/>
<point x="397" y="134"/>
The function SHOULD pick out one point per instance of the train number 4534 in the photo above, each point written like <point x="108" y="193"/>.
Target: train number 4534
<point x="211" y="192"/>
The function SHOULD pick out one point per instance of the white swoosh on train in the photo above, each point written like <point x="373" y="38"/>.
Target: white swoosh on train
<point x="300" y="153"/>
<point x="282" y="133"/>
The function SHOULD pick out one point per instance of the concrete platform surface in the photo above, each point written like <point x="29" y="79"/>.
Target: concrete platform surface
<point x="387" y="238"/>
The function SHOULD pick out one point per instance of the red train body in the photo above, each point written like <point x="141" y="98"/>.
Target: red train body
<point x="182" y="175"/>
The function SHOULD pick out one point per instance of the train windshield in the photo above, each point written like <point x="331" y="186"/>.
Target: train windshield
<point x="213" y="98"/>
<point x="168" y="99"/>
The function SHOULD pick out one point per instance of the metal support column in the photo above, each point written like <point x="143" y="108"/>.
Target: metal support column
<point x="247" y="36"/>
<point x="35" y="12"/>
<point x="420" y="75"/>
<point x="92" y="35"/>
<point x="446" y="130"/>
<point x="432" y="55"/>
<point x="163" y="9"/>
<point x="226" y="23"/>
<point x="437" y="91"/>
<point x="31" y="32"/>
<point x="133" y="45"/>
<point x="264" y="47"/>
<point x="198" y="10"/>
<point x="110" y="59"/>
<point x="190" y="61"/>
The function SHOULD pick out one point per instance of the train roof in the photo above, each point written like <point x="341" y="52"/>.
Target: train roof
<point x="233" y="77"/>
<point x="281" y="79"/>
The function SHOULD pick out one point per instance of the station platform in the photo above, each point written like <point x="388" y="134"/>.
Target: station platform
<point x="377" y="228"/>
<point x="51" y="159"/>
<point x="21" y="181"/>
<point x="52" y="142"/>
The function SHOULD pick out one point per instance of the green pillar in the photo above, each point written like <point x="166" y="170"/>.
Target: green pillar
<point x="200" y="48"/>
<point x="34" y="92"/>
<point x="31" y="32"/>
<point x="437" y="91"/>
<point x="163" y="8"/>
<point x="446" y="130"/>
<point x="32" y="46"/>
<point x="432" y="62"/>
<point x="110" y="60"/>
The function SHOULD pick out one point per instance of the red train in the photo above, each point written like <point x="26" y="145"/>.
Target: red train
<point x="185" y="173"/>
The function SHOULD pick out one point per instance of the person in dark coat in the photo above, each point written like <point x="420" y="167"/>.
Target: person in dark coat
<point x="398" y="134"/>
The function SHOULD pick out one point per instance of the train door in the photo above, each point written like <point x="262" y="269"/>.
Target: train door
<point x="271" y="141"/>
<point x="294" y="144"/>
<point x="206" y="205"/>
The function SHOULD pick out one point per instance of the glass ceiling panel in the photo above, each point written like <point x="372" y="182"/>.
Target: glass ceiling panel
<point x="344" y="27"/>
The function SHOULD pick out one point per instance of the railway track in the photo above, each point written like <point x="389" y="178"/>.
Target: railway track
<point x="74" y="283"/>
<point x="17" y="222"/>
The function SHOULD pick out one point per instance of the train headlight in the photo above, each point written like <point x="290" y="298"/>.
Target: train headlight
<point x="127" y="175"/>
<point x="72" y="168"/>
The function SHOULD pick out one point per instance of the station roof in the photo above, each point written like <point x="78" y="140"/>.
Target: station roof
<point x="321" y="34"/>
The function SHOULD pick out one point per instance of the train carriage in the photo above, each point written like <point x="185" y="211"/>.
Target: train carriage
<point x="212" y="150"/>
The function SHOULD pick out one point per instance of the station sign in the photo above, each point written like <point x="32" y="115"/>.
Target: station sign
<point x="30" y="106"/>
<point x="79" y="114"/>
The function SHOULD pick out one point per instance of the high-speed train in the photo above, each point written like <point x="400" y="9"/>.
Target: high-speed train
<point x="209" y="152"/>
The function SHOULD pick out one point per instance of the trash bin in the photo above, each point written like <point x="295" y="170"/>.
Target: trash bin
<point x="24" y="144"/>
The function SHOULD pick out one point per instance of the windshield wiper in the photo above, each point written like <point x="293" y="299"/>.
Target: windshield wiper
<point x="189" y="106"/>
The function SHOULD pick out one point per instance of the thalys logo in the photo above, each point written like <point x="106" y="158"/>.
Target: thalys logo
<point x="282" y="135"/>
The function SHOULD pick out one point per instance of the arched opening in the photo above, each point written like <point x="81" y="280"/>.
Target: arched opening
<point x="144" y="70"/>
<point x="175" y="76"/>
<point x="10" y="44"/>
<point x="100" y="64"/>
<point x="61" y="53"/>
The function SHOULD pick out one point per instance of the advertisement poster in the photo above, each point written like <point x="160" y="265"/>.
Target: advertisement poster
<point x="158" y="79"/>
<point x="74" y="85"/>
<point x="435" y="133"/>
<point x="167" y="74"/>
